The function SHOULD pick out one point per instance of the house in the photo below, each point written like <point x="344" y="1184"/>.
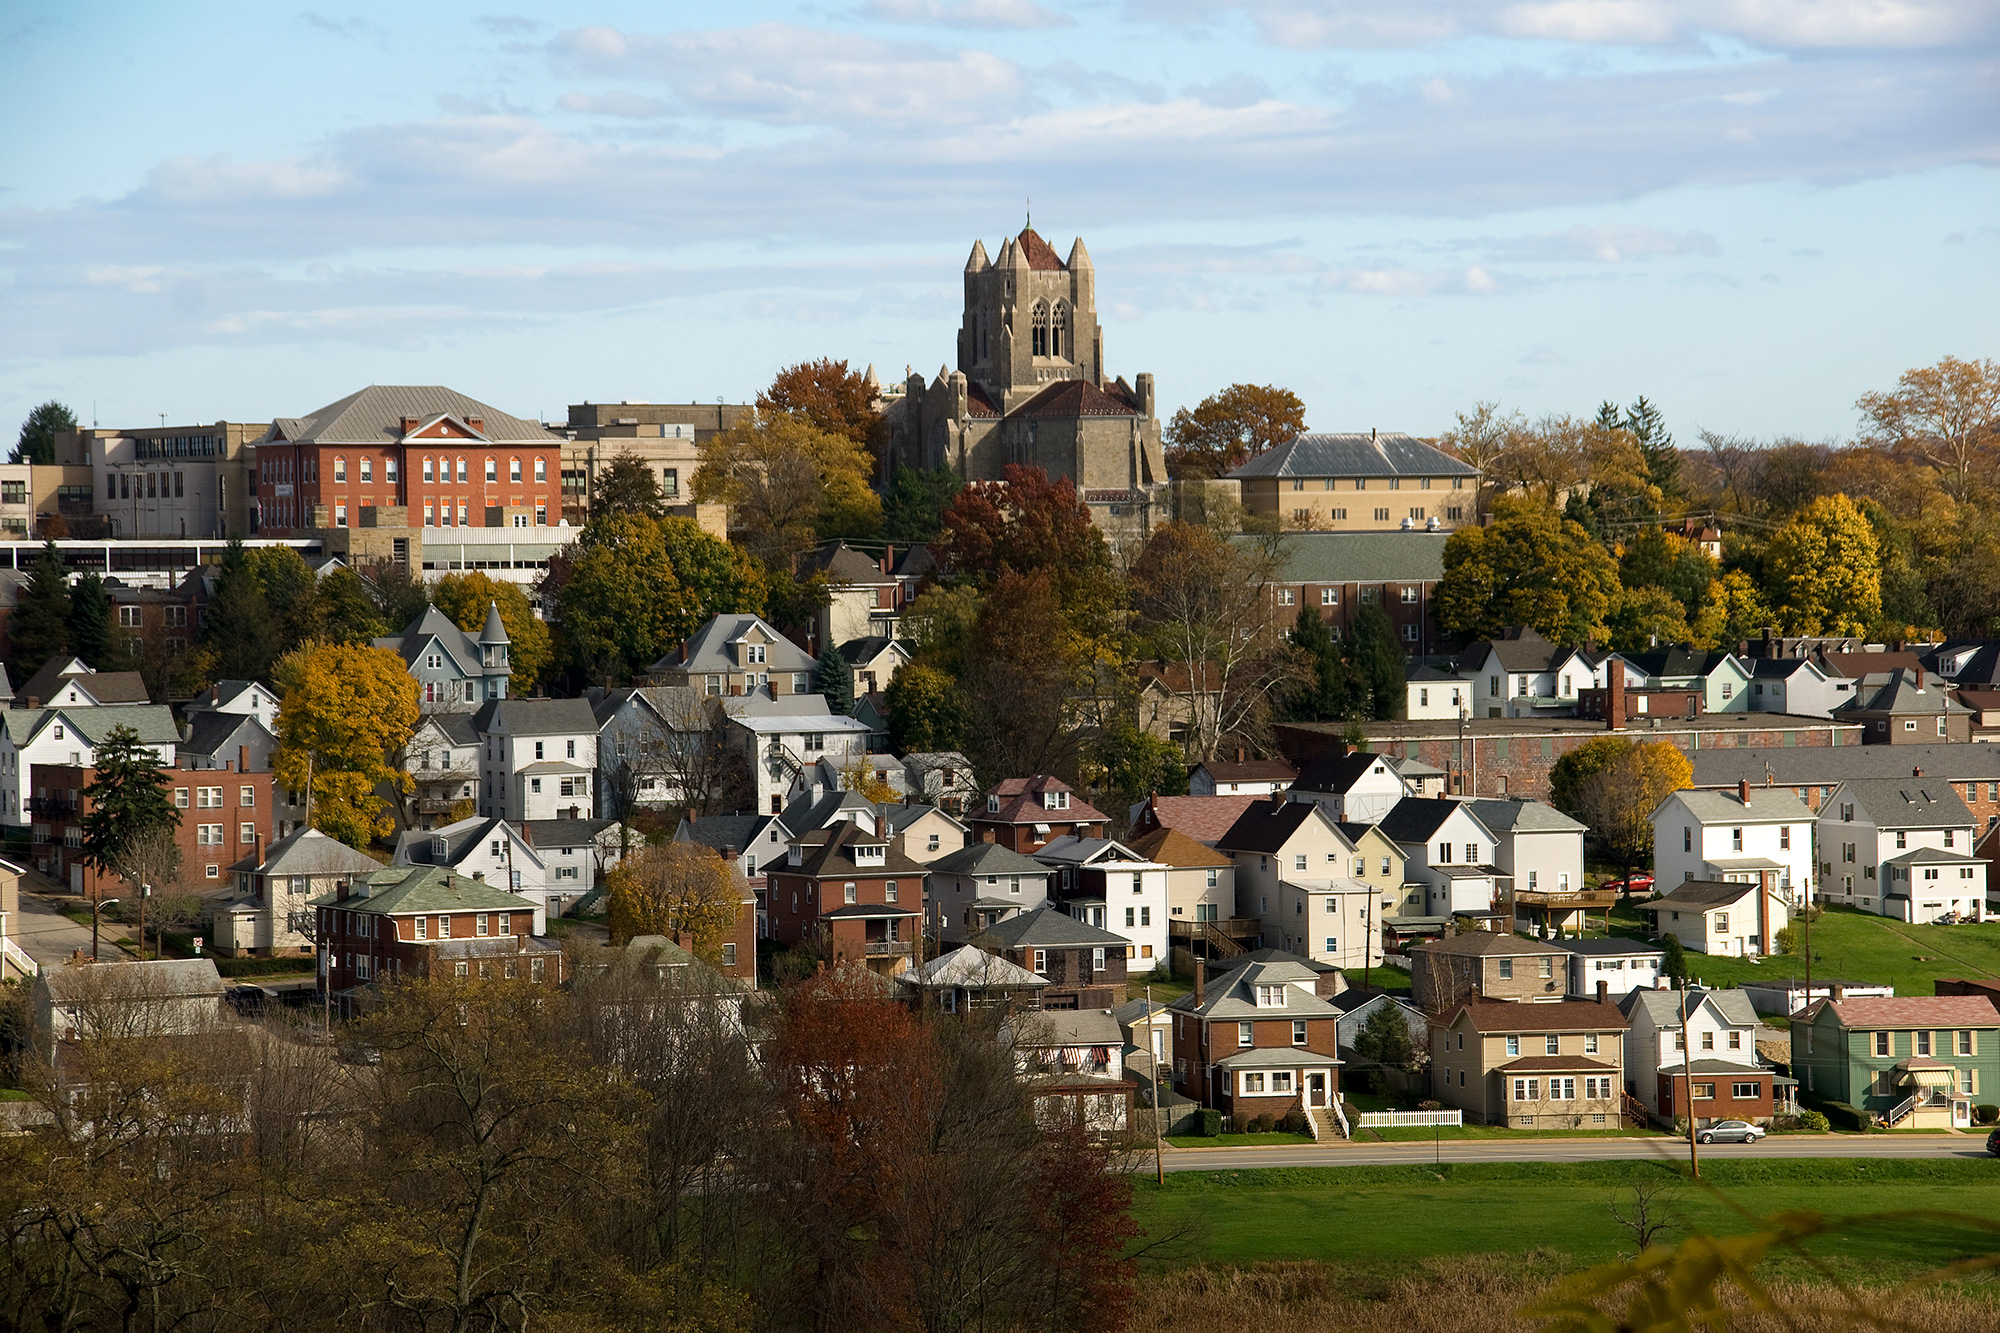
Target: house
<point x="1148" y="1026"/>
<point x="1728" y="1080"/>
<point x="1795" y="685"/>
<point x="1902" y="848"/>
<point x="1351" y="482"/>
<point x="1341" y="574"/>
<point x="1734" y="835"/>
<point x="1920" y="1062"/>
<point x="70" y="735"/>
<point x="428" y="922"/>
<point x="752" y="843"/>
<point x="1450" y="852"/>
<point x="1380" y="861"/>
<point x="224" y="817"/>
<point x="146" y="1000"/>
<point x="1258" y="1041"/>
<point x="1073" y="1064"/>
<point x="245" y="698"/>
<point x="1812" y="772"/>
<point x="1531" y="1066"/>
<point x="65" y="682"/>
<point x="442" y="758"/>
<point x="1241" y="777"/>
<point x="1435" y="692"/>
<point x="1110" y="885"/>
<point x="456" y="671"/>
<point x="1729" y="917"/>
<point x="736" y="654"/>
<point x="648" y="740"/>
<point x="1201" y="890"/>
<point x="1722" y="678"/>
<point x="216" y="739"/>
<point x="825" y="808"/>
<point x="1485" y="965"/>
<point x="1521" y="674"/>
<point x="780" y="735"/>
<point x="863" y="600"/>
<point x="1419" y="778"/>
<point x="843" y="891"/>
<point x="874" y="660"/>
<point x="981" y="883"/>
<point x="1203" y="818"/>
<point x="1358" y="788"/>
<point x="537" y="758"/>
<point x="923" y="832"/>
<point x="1539" y="851"/>
<point x="969" y="978"/>
<point x="1025" y="814"/>
<point x="818" y="776"/>
<point x="1295" y="873"/>
<point x="269" y="916"/>
<point x="1357" y="1006"/>
<point x="1624" y="965"/>
<point x="1911" y="707"/>
<point x="1787" y="996"/>
<point x="942" y="777"/>
<point x="490" y="851"/>
<point x="1084" y="964"/>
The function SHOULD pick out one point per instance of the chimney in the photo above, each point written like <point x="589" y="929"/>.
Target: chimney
<point x="1200" y="982"/>
<point x="477" y="423"/>
<point x="1839" y="993"/>
<point x="215" y="694"/>
<point x="1916" y="772"/>
<point x="1603" y="992"/>
<point x="242" y="759"/>
<point x="1239" y="754"/>
<point x="479" y="877"/>
<point x="1743" y="790"/>
<point x="528" y="833"/>
<point x="1920" y="680"/>
<point x="728" y="852"/>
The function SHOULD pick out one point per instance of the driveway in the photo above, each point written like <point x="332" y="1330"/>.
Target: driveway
<point x="1576" y="1150"/>
<point x="47" y="935"/>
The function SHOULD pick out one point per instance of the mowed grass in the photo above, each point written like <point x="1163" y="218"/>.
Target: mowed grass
<point x="1855" y="946"/>
<point x="1390" y="1215"/>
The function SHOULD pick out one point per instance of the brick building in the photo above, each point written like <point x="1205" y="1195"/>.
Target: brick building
<point x="1339" y="574"/>
<point x="1259" y="1041"/>
<point x="1023" y="814"/>
<point x="225" y="816"/>
<point x="847" y="892"/>
<point x="426" y="922"/>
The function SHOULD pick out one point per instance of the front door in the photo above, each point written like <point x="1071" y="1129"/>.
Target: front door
<point x="1315" y="1089"/>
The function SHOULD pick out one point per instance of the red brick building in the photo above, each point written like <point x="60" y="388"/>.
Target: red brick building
<point x="844" y="890"/>
<point x="423" y="922"/>
<point x="1023" y="814"/>
<point x="225" y="816"/>
<point x="1258" y="1042"/>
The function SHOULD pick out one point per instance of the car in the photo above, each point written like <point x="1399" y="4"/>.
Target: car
<point x="1730" y="1131"/>
<point x="1636" y="882"/>
<point x="1993" y="1143"/>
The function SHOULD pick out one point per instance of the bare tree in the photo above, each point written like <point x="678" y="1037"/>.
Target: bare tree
<point x="1649" y="1211"/>
<point x="1946" y="415"/>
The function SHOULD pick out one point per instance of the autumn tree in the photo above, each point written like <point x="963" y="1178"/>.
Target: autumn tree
<point x="1029" y="524"/>
<point x="466" y="599"/>
<point x="1823" y="570"/>
<point x="1229" y="428"/>
<point x="682" y="890"/>
<point x="627" y="486"/>
<point x="1132" y="764"/>
<point x="37" y="441"/>
<point x="828" y="395"/>
<point x="1530" y="567"/>
<point x="789" y="483"/>
<point x="1947" y="414"/>
<point x="1613" y="785"/>
<point x="1646" y="618"/>
<point x="1733" y="611"/>
<point x="345" y="711"/>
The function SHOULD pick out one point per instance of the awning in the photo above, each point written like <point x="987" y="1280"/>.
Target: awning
<point x="1930" y="1078"/>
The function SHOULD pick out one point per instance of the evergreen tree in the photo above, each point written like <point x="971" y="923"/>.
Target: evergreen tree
<point x="39" y="627"/>
<point x="1673" y="959"/>
<point x="1663" y="460"/>
<point x="128" y="799"/>
<point x="1328" y="693"/>
<point x="37" y="442"/>
<point x="1379" y="664"/>
<point x="834" y="678"/>
<point x="90" y="624"/>
<point x="238" y="626"/>
<point x="913" y="511"/>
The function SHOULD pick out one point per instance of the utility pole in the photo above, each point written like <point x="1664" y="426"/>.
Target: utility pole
<point x="1805" y="943"/>
<point x="1368" y="939"/>
<point x="1159" y="1157"/>
<point x="1687" y="1079"/>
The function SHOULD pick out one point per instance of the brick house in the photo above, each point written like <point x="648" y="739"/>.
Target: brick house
<point x="1084" y="964"/>
<point x="1531" y="1066"/>
<point x="225" y="817"/>
<point x="1480" y="964"/>
<point x="844" y="890"/>
<point x="1259" y="1041"/>
<point x="1919" y="1062"/>
<point x="1025" y="814"/>
<point x="428" y="922"/>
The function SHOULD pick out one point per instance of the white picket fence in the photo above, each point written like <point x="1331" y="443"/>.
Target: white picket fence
<point x="1407" y="1119"/>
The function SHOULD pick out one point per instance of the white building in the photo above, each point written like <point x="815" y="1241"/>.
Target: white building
<point x="1734" y="836"/>
<point x="1358" y="788"/>
<point x="537" y="758"/>
<point x="1731" y="917"/>
<point x="1902" y="848"/>
<point x="1294" y="872"/>
<point x="1102" y="872"/>
<point x="1721" y="1026"/>
<point x="782" y="735"/>
<point x="70" y="735"/>
<point x="1450" y="852"/>
<point x="1539" y="851"/>
<point x="489" y="850"/>
<point x="1623" y="965"/>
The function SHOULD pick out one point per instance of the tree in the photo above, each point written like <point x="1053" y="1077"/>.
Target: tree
<point x="833" y="677"/>
<point x="1823" y="570"/>
<point x="789" y="483"/>
<point x="1229" y="428"/>
<point x="926" y="711"/>
<point x="1380" y="667"/>
<point x="620" y="605"/>
<point x="677" y="889"/>
<point x="1385" y="1038"/>
<point x="1328" y="691"/>
<point x="128" y="802"/>
<point x="717" y="578"/>
<point x="1733" y="611"/>
<point x="90" y="624"/>
<point x="1673" y="960"/>
<point x="1030" y="524"/>
<point x="827" y="394"/>
<point x="348" y="613"/>
<point x="1654" y="558"/>
<point x="913" y="511"/>
<point x="1945" y="414"/>
<point x="1022" y="682"/>
<point x="39" y="628"/>
<point x="1656" y="447"/>
<point x="295" y="611"/>
<point x="939" y="625"/>
<point x="400" y="595"/>
<point x="1613" y="785"/>
<point x="627" y="486"/>
<point x="1647" y="617"/>
<point x="466" y="599"/>
<point x="1530" y="567"/>
<point x="345" y="710"/>
<point x="37" y="441"/>
<point x="1134" y="765"/>
<point x="237" y="624"/>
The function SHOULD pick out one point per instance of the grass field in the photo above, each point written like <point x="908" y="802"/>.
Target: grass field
<point x="1392" y="1215"/>
<point x="1855" y="946"/>
<point x="1273" y="1140"/>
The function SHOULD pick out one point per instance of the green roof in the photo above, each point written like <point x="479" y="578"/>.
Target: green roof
<point x="1358" y="557"/>
<point x="396" y="889"/>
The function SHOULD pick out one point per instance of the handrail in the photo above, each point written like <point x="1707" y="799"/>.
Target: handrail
<point x="15" y="954"/>
<point x="1902" y="1108"/>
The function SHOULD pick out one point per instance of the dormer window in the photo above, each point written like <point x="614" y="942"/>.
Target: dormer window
<point x="1271" y="997"/>
<point x="753" y="653"/>
<point x="1055" y="800"/>
<point x="992" y="802"/>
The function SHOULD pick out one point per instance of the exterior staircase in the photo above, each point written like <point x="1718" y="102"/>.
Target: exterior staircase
<point x="1902" y="1109"/>
<point x="1328" y="1126"/>
<point x="1635" y="1110"/>
<point x="1219" y="944"/>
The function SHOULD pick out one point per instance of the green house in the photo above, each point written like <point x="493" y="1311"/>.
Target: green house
<point x="1921" y="1062"/>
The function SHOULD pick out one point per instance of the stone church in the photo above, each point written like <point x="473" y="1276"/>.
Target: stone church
<point x="1030" y="388"/>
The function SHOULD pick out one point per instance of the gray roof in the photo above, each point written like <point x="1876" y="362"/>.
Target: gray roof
<point x="1234" y="994"/>
<point x="307" y="851"/>
<point x="151" y="979"/>
<point x="708" y="648"/>
<point x="1767" y="805"/>
<point x="1664" y="1006"/>
<point x="419" y="846"/>
<point x="543" y="833"/>
<point x="374" y="416"/>
<point x="1903" y="695"/>
<point x="536" y="717"/>
<point x="1519" y="649"/>
<point x="1825" y="766"/>
<point x="1700" y="895"/>
<point x="210" y="732"/>
<point x="1611" y="946"/>
<point x="974" y="968"/>
<point x="735" y="831"/>
<point x="1358" y="557"/>
<point x="1353" y="454"/>
<point x="988" y="858"/>
<point x="1904" y="803"/>
<point x="153" y="722"/>
<point x="1068" y="1027"/>
<point x="106" y="687"/>
<point x="817" y="812"/>
<point x="1932" y="856"/>
<point x="1049" y="928"/>
<point x="1523" y="815"/>
<point x="1487" y="943"/>
<point x="1415" y="818"/>
<point x="1275" y="1057"/>
<point x="457" y="727"/>
<point x="435" y="624"/>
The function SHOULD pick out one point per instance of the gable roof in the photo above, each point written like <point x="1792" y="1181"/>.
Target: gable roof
<point x="988" y="858"/>
<point x="1267" y="825"/>
<point x="307" y="851"/>
<point x="737" y="831"/>
<point x="1518" y="648"/>
<point x="153" y="722"/>
<point x="1076" y="398"/>
<point x="1564" y="1015"/>
<point x="1338" y="773"/>
<point x="830" y="851"/>
<point x="1609" y="946"/>
<point x="1903" y="695"/>
<point x="1049" y="928"/>
<point x="1248" y="770"/>
<point x="1905" y="803"/>
<point x="856" y="652"/>
<point x="1206" y="819"/>
<point x="1415" y="818"/>
<point x="140" y="979"/>
<point x="1353" y="454"/>
<point x="536" y="717"/>
<point x="974" y="969"/>
<point x="1914" y="1011"/>
<point x="842" y="564"/>
<point x="1485" y="944"/>
<point x="422" y="847"/>
<point x="1170" y="846"/>
<point x="1021" y="803"/>
<point x="1522" y="814"/>
<point x="1679" y="661"/>
<point x="460" y="647"/>
<point x="1826" y="766"/>
<point x="210" y="731"/>
<point x="1234" y="994"/>
<point x="1663" y="1007"/>
<point x="1767" y="805"/>
<point x="1701" y="895"/>
<point x="407" y="888"/>
<point x="374" y="416"/>
<point x="102" y="687"/>
<point x="544" y="833"/>
<point x="709" y="649"/>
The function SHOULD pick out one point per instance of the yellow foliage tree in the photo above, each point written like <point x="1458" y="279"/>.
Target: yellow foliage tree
<point x="1825" y="567"/>
<point x="788" y="483"/>
<point x="346" y="710"/>
<point x="679" y="889"/>
<point x="466" y="597"/>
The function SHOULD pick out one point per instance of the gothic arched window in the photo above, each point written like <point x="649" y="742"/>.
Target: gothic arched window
<point x="1041" y="334"/>
<point x="1059" y="331"/>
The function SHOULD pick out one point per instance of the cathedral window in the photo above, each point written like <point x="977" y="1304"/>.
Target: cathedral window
<point x="1059" y="331"/>
<point x="1040" y="337"/>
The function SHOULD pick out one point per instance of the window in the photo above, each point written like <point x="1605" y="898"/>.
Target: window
<point x="1271" y="997"/>
<point x="1527" y="1089"/>
<point x="848" y="891"/>
<point x="1704" y="1092"/>
<point x="1253" y="1082"/>
<point x="1298" y="863"/>
<point x="1590" y="1043"/>
<point x="1097" y="959"/>
<point x="461" y="469"/>
<point x="1735" y="1041"/>
<point x="1743" y="1092"/>
<point x="1246" y="1034"/>
<point x="1562" y="1089"/>
<point x="1506" y="969"/>
<point x="1298" y="1032"/>
<point x="1923" y="1043"/>
<point x="1130" y="914"/>
<point x="492" y="469"/>
<point x="1722" y="923"/>
<point x="1881" y="1043"/>
<point x="1965" y="1043"/>
<point x="423" y="927"/>
<point x="1736" y="840"/>
<point x="1552" y="1045"/>
<point x="503" y="924"/>
<point x="444" y="928"/>
<point x="1708" y="1041"/>
<point x="1382" y="516"/>
<point x="180" y="797"/>
<point x="889" y="890"/>
<point x="1331" y="596"/>
<point x="1548" y="967"/>
<point x="1911" y="724"/>
<point x="340" y="469"/>
<point x="479" y="924"/>
<point x="340" y="516"/>
<point x="1513" y="1045"/>
<point x="246" y="834"/>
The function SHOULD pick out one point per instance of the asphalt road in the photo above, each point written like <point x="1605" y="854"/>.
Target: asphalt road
<point x="1573" y="1150"/>
<point x="48" y="936"/>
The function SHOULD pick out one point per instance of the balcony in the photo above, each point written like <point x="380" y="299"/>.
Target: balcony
<point x="1593" y="899"/>
<point x="51" y="807"/>
<point x="888" y="948"/>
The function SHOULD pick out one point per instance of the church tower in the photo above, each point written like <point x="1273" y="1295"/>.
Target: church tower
<point x="1030" y="320"/>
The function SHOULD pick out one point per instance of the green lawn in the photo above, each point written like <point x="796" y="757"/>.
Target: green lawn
<point x="1855" y="946"/>
<point x="1244" y="1141"/>
<point x="1512" y="1208"/>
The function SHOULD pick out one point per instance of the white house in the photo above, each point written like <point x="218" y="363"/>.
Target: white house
<point x="1450" y="852"/>
<point x="1732" y="917"/>
<point x="67" y="682"/>
<point x="782" y="735"/>
<point x="1721" y="1027"/>
<point x="1623" y="965"/>
<point x="1241" y="776"/>
<point x="1295" y="872"/>
<point x="1734" y="836"/>
<point x="1358" y="788"/>
<point x="537" y="758"/>
<point x="70" y="735"/>
<point x="1796" y="685"/>
<point x="1132" y="890"/>
<point x="1522" y="674"/>
<point x="442" y="758"/>
<point x="486" y="849"/>
<point x="270" y="913"/>
<point x="1901" y="847"/>
<point x="1436" y="694"/>
<point x="575" y="854"/>
<point x="1539" y="851"/>
<point x="246" y="698"/>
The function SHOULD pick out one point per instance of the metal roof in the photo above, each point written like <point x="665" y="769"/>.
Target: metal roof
<point x="1357" y="557"/>
<point x="1353" y="454"/>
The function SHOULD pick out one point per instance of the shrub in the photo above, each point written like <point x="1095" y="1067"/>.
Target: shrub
<point x="1986" y="1113"/>
<point x="1210" y="1123"/>
<point x="1259" y="1124"/>
<point x="1294" y="1122"/>
<point x="1805" y="1122"/>
<point x="1846" y="1117"/>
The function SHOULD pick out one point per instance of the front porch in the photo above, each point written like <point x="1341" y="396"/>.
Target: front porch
<point x="882" y="936"/>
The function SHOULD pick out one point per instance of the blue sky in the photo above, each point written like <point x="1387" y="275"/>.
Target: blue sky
<point x="1751" y="211"/>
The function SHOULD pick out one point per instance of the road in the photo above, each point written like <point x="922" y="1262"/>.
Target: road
<point x="1573" y="1150"/>
<point x="47" y="935"/>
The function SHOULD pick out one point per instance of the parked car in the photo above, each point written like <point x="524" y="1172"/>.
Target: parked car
<point x="1636" y="882"/>
<point x="1993" y="1143"/>
<point x="1730" y="1131"/>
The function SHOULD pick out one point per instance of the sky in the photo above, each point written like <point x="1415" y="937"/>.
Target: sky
<point x="1750" y="211"/>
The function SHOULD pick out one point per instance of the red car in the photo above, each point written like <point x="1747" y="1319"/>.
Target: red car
<point x="1636" y="882"/>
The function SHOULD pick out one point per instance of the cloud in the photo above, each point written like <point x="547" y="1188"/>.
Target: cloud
<point x="1232" y="92"/>
<point x="1006" y="14"/>
<point x="1608" y="244"/>
<point x="1544" y="355"/>
<point x="629" y="105"/>
<point x="511" y="25"/>
<point x="784" y="74"/>
<point x="348" y="29"/>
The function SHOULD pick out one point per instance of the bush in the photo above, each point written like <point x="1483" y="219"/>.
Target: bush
<point x="1805" y="1122"/>
<point x="1209" y="1123"/>
<point x="1846" y="1117"/>
<point x="1294" y="1122"/>
<point x="1259" y="1124"/>
<point x="1986" y="1113"/>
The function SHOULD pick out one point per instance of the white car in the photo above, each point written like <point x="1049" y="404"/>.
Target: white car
<point x="1730" y="1131"/>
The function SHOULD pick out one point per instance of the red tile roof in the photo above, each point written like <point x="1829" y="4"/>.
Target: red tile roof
<point x="1038" y="252"/>
<point x="1561" y="1064"/>
<point x="1170" y="846"/>
<point x="1075" y="398"/>
<point x="1203" y="818"/>
<point x="1917" y="1011"/>
<point x="977" y="404"/>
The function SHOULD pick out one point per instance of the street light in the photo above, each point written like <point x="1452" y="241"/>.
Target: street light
<point x="95" y="908"/>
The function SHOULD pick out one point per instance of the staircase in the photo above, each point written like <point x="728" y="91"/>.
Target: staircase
<point x="1902" y="1109"/>
<point x="1329" y="1126"/>
<point x="1635" y="1110"/>
<point x="1219" y="944"/>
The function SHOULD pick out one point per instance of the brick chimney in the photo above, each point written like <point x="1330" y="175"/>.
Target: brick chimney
<point x="1743" y="790"/>
<point x="242" y="759"/>
<point x="1614" y="700"/>
<point x="1916" y="772"/>
<point x="1839" y="993"/>
<point x="1604" y="992"/>
<point x="1200" y="982"/>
